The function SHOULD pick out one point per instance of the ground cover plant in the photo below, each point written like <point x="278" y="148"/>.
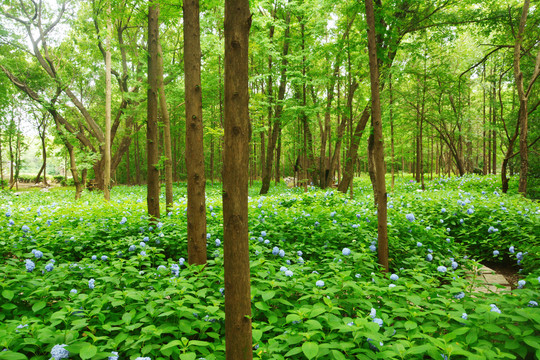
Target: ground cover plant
<point x="88" y="279"/>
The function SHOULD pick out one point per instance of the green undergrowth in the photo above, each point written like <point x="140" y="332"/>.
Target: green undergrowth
<point x="107" y="280"/>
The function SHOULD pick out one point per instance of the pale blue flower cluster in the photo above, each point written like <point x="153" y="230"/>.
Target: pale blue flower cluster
<point x="38" y="254"/>
<point x="441" y="269"/>
<point x="410" y="217"/>
<point x="49" y="267"/>
<point x="319" y="283"/>
<point x="91" y="283"/>
<point x="58" y="352"/>
<point x="495" y="252"/>
<point x="114" y="356"/>
<point x="521" y="284"/>
<point x="30" y="266"/>
<point x="494" y="308"/>
<point x="346" y="251"/>
<point x="289" y="273"/>
<point x="394" y="277"/>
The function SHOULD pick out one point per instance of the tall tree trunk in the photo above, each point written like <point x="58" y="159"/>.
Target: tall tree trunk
<point x="108" y="98"/>
<point x="152" y="142"/>
<point x="494" y="137"/>
<point x="1" y="162"/>
<point x="278" y="159"/>
<point x="137" y="160"/>
<point x="238" y="337"/>
<point x="376" y="120"/>
<point x="166" y="134"/>
<point x="196" y="182"/>
<point x="42" y="132"/>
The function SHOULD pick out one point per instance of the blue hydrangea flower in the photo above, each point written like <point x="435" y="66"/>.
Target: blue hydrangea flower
<point x="492" y="230"/>
<point x="464" y="316"/>
<point x="30" y="266"/>
<point x="373" y="313"/>
<point x="410" y="217"/>
<point x="289" y="273"/>
<point x="460" y="295"/>
<point x="454" y="265"/>
<point x="282" y="253"/>
<point x="275" y="250"/>
<point x="470" y="211"/>
<point x="49" y="267"/>
<point x="299" y="253"/>
<point x="94" y="257"/>
<point x="58" y="352"/>
<point x="495" y="252"/>
<point x="373" y="248"/>
<point x="532" y="303"/>
<point x="461" y="221"/>
<point x="267" y="241"/>
<point x="378" y="321"/>
<point x="319" y="283"/>
<point x="494" y="308"/>
<point x="519" y="255"/>
<point x="181" y="261"/>
<point x="263" y="233"/>
<point x="419" y="244"/>
<point x="132" y="248"/>
<point x="443" y="210"/>
<point x="143" y="358"/>
<point x="91" y="283"/>
<point x="218" y="242"/>
<point x="358" y="276"/>
<point x="104" y="257"/>
<point x="114" y="356"/>
<point x="283" y="269"/>
<point x="346" y="251"/>
<point x="73" y="291"/>
<point x="429" y="257"/>
<point x="511" y="249"/>
<point x="394" y="277"/>
<point x="521" y="284"/>
<point x="38" y="254"/>
<point x="441" y="269"/>
<point x="123" y="221"/>
<point x="25" y="228"/>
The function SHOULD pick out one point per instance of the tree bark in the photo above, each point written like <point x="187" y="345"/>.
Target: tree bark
<point x="376" y="120"/>
<point x="166" y="134"/>
<point x="153" y="188"/>
<point x="238" y="337"/>
<point x="196" y="180"/>
<point x="108" y="98"/>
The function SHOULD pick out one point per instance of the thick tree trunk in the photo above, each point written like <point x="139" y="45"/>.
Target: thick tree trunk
<point x="376" y="120"/>
<point x="153" y="188"/>
<point x="196" y="182"/>
<point x="238" y="337"/>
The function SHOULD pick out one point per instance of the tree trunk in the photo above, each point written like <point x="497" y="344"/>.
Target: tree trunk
<point x="166" y="135"/>
<point x="196" y="180"/>
<point x="238" y="337"/>
<point x="376" y="120"/>
<point x="108" y="98"/>
<point x="391" y="126"/>
<point x="153" y="188"/>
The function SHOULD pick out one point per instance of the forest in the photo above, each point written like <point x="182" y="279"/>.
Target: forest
<point x="343" y="171"/>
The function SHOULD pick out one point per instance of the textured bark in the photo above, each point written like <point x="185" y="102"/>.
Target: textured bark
<point x="166" y="135"/>
<point x="196" y="181"/>
<point x="152" y="197"/>
<point x="238" y="337"/>
<point x="376" y="121"/>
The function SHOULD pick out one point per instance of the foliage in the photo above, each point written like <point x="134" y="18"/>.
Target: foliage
<point x="327" y="303"/>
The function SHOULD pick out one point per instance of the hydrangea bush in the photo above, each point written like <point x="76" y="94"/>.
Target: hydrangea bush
<point x="98" y="281"/>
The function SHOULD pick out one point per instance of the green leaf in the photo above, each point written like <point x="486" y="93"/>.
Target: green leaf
<point x="294" y="351"/>
<point x="10" y="355"/>
<point x="310" y="349"/>
<point x="532" y="341"/>
<point x="88" y="351"/>
<point x="188" y="356"/>
<point x="267" y="295"/>
<point x="38" y="306"/>
<point x="8" y="294"/>
<point x="338" y="355"/>
<point x="171" y="344"/>
<point x="409" y="325"/>
<point x="257" y="334"/>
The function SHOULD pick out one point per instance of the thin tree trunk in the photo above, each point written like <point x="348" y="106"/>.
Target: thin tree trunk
<point x="391" y="127"/>
<point x="108" y="115"/>
<point x="376" y="120"/>
<point x="238" y="336"/>
<point x="152" y="142"/>
<point x="166" y="134"/>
